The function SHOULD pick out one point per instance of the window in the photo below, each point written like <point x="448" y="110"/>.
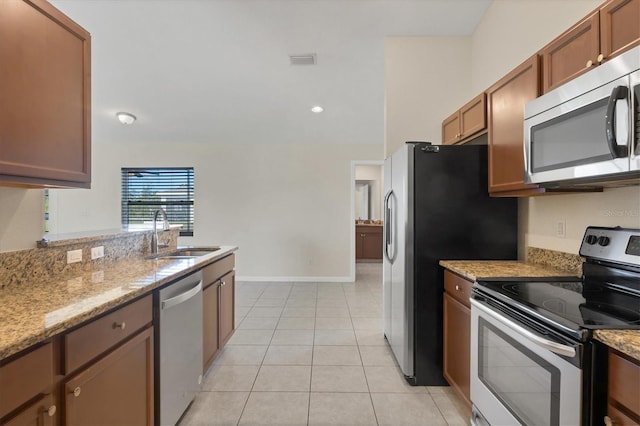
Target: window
<point x="144" y="190"/>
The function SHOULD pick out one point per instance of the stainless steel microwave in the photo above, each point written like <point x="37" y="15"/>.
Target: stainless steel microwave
<point x="587" y="131"/>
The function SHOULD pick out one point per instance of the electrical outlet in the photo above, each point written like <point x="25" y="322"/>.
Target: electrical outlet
<point x="74" y="256"/>
<point x="561" y="228"/>
<point x="97" y="252"/>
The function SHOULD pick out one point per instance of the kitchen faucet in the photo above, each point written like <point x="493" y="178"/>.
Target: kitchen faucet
<point x="155" y="244"/>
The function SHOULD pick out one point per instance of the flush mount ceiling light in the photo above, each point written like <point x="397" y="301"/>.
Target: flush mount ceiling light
<point x="317" y="109"/>
<point x="125" y="117"/>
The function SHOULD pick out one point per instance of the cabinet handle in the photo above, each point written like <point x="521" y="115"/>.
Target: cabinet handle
<point x="608" y="421"/>
<point x="121" y="326"/>
<point x="600" y="58"/>
<point x="223" y="283"/>
<point x="76" y="391"/>
<point x="457" y="287"/>
<point x="51" y="411"/>
<point x="589" y="63"/>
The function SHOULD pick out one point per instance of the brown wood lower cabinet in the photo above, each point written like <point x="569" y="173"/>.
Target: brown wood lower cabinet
<point x="23" y="379"/>
<point x="623" y="403"/>
<point x="39" y="413"/>
<point x="227" y="309"/>
<point x="457" y="334"/>
<point x="218" y="305"/>
<point x="117" y="389"/>
<point x="369" y="242"/>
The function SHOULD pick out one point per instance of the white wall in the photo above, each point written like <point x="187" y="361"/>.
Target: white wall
<point x="287" y="206"/>
<point x="510" y="32"/>
<point x="426" y="79"/>
<point x="374" y="175"/>
<point x="21" y="218"/>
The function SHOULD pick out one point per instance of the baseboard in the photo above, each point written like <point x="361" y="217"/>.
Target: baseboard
<point x="345" y="279"/>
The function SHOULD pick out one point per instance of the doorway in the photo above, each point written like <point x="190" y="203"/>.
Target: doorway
<point x="367" y="196"/>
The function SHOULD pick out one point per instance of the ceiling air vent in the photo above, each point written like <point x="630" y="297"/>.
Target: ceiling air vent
<point x="304" y="59"/>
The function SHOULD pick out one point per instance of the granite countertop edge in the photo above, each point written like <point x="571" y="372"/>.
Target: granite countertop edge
<point x="625" y="341"/>
<point x="478" y="269"/>
<point x="135" y="277"/>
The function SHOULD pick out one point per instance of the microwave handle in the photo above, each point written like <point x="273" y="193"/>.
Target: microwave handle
<point x="618" y="92"/>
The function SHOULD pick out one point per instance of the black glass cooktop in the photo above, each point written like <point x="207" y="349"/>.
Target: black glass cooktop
<point x="575" y="304"/>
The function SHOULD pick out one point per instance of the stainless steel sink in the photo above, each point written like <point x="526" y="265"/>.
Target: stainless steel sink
<point x="185" y="253"/>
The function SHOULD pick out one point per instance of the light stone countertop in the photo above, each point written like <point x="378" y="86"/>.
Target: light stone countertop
<point x="33" y="312"/>
<point x="625" y="341"/>
<point x="474" y="269"/>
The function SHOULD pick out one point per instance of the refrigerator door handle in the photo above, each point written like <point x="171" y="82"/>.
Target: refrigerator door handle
<point x="387" y="225"/>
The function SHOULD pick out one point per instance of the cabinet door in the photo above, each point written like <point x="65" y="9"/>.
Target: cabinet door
<point x="210" y="324"/>
<point x="227" y="306"/>
<point x="624" y="377"/>
<point x="45" y="107"/>
<point x="571" y="54"/>
<point x="619" y="26"/>
<point x="505" y="105"/>
<point x="116" y="390"/>
<point x="359" y="243"/>
<point x="451" y="129"/>
<point x="40" y="413"/>
<point x="473" y="116"/>
<point x="457" y="341"/>
<point x="372" y="245"/>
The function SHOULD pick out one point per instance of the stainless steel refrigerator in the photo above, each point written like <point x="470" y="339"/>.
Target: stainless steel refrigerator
<point x="436" y="207"/>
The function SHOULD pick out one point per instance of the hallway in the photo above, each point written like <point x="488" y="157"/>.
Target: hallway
<point x="314" y="354"/>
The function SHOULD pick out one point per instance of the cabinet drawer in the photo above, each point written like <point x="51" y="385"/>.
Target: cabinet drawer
<point x="217" y="269"/>
<point x="624" y="376"/>
<point x="93" y="339"/>
<point x="39" y="413"/>
<point x="458" y="287"/>
<point x="25" y="377"/>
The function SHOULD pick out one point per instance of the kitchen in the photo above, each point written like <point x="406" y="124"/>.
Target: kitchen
<point x="303" y="234"/>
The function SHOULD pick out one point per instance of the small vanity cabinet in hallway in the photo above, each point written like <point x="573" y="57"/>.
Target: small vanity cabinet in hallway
<point x="369" y="242"/>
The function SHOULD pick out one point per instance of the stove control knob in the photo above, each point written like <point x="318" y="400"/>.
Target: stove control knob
<point x="591" y="239"/>
<point x="604" y="241"/>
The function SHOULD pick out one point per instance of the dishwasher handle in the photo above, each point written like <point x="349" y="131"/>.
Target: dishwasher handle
<point x="182" y="297"/>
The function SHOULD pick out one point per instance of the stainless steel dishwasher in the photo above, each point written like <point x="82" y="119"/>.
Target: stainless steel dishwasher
<point x="179" y="347"/>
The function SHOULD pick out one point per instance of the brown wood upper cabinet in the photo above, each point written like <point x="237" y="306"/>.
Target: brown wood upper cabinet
<point x="606" y="32"/>
<point x="505" y="110"/>
<point x="466" y="122"/>
<point x="45" y="107"/>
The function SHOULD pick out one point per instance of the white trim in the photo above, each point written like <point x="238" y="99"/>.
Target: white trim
<point x="298" y="279"/>
<point x="352" y="226"/>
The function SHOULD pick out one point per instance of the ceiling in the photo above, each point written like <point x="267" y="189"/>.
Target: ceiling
<point x="218" y="71"/>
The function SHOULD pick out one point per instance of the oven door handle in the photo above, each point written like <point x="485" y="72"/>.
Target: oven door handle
<point x="552" y="346"/>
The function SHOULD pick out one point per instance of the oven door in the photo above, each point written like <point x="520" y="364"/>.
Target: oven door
<point x="520" y="376"/>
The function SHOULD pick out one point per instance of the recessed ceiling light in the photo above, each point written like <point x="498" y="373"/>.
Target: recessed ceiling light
<point x="125" y="117"/>
<point x="317" y="109"/>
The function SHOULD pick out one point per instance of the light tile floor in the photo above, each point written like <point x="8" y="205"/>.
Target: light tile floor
<point x="314" y="354"/>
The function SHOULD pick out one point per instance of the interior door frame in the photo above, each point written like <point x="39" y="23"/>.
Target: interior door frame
<point x="352" y="226"/>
